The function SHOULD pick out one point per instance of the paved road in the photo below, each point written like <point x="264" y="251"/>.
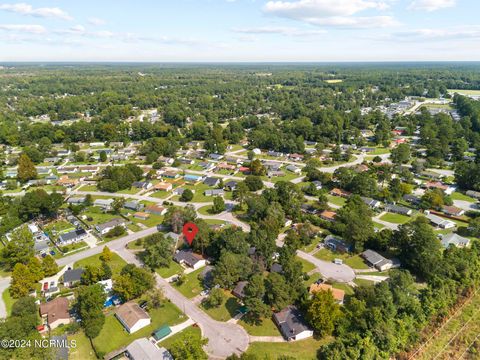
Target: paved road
<point x="224" y="339"/>
<point x="4" y="284"/>
<point x="466" y="205"/>
<point x="338" y="273"/>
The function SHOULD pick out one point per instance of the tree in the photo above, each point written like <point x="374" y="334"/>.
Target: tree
<point x="132" y="282"/>
<point x="89" y="305"/>
<point x="26" y="168"/>
<point x="254" y="183"/>
<point x="216" y="298"/>
<point x="49" y="266"/>
<point x="35" y="267"/>
<point x="187" y="195"/>
<point x="103" y="156"/>
<point x="22" y="281"/>
<point x="474" y="226"/>
<point x="240" y="193"/>
<point x="106" y="255"/>
<point x="323" y="312"/>
<point x="20" y="247"/>
<point x="115" y="232"/>
<point x="254" y="299"/>
<point x="218" y="205"/>
<point x="155" y="298"/>
<point x="277" y="292"/>
<point x="158" y="251"/>
<point x="118" y="204"/>
<point x="189" y="348"/>
<point x="231" y="268"/>
<point x="400" y="154"/>
<point x="257" y="168"/>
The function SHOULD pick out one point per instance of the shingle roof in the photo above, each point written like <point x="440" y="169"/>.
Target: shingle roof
<point x="130" y="313"/>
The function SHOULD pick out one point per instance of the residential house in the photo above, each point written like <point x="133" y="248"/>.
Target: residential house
<point x="67" y="169"/>
<point x="170" y="174"/>
<point x="371" y="203"/>
<point x="328" y="215"/>
<point x="186" y="161"/>
<point x="143" y="349"/>
<point x="275" y="174"/>
<point x="317" y="184"/>
<point x="454" y="239"/>
<point x="67" y="182"/>
<point x="179" y="191"/>
<point x="211" y="181"/>
<point x="76" y="200"/>
<point x="233" y="160"/>
<point x="144" y="185"/>
<point x="439" y="222"/>
<point x="214" y="192"/>
<point x="243" y="169"/>
<point x="293" y="169"/>
<point x="156" y="209"/>
<point x="225" y="166"/>
<point x="412" y="199"/>
<point x="231" y="185"/>
<point x="276" y="268"/>
<point x="189" y="258"/>
<point x="55" y="312"/>
<point x="141" y="215"/>
<point x="376" y="260"/>
<point x="340" y="192"/>
<point x="132" y="316"/>
<point x="133" y="205"/>
<point x="72" y="277"/>
<point x="257" y="151"/>
<point x="473" y="194"/>
<point x="337" y="244"/>
<point x="238" y="291"/>
<point x="295" y="157"/>
<point x="207" y="165"/>
<point x="12" y="173"/>
<point x="163" y="186"/>
<point x="192" y="178"/>
<point x="109" y="225"/>
<point x="166" y="160"/>
<point x="452" y="210"/>
<point x="52" y="160"/>
<point x="72" y="237"/>
<point x="397" y="209"/>
<point x="338" y="294"/>
<point x="43" y="171"/>
<point x="89" y="168"/>
<point x="173" y="236"/>
<point x="274" y="153"/>
<point x="104" y="204"/>
<point x="215" y="156"/>
<point x="292" y="324"/>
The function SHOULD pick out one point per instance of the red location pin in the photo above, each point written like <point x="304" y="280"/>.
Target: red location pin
<point x="189" y="231"/>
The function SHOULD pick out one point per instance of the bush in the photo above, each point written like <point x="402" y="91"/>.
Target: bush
<point x="116" y="231"/>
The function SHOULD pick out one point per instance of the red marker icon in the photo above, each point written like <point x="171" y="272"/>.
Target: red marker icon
<point x="189" y="231"/>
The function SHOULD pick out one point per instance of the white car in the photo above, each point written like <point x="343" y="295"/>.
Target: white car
<point x="338" y="261"/>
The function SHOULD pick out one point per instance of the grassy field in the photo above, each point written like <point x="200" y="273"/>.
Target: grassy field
<point x="8" y="300"/>
<point x="114" y="336"/>
<point x="465" y="92"/>
<point x="192" y="286"/>
<point x="116" y="264"/>
<point x="336" y="200"/>
<point x="456" y="336"/>
<point x="348" y="289"/>
<point x="395" y="218"/>
<point x="306" y="265"/>
<point x="380" y="151"/>
<point x="266" y="328"/>
<point x="173" y="269"/>
<point x="89" y="188"/>
<point x="361" y="282"/>
<point x="355" y="261"/>
<point x="131" y="191"/>
<point x="83" y="350"/>
<point x="459" y="196"/>
<point x="161" y="194"/>
<point x="303" y="349"/>
<point x="226" y="311"/>
<point x="205" y="210"/>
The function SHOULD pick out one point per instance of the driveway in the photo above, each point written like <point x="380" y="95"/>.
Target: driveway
<point x="466" y="205"/>
<point x="224" y="339"/>
<point x="338" y="273"/>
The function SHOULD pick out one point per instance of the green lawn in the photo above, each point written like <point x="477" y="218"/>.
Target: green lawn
<point x="173" y="269"/>
<point x="356" y="262"/>
<point x="266" y="328"/>
<point x="288" y="176"/>
<point x="361" y="282"/>
<point x="161" y="194"/>
<point x="205" y="210"/>
<point x="131" y="191"/>
<point x="190" y="332"/>
<point x="59" y="227"/>
<point x="378" y="225"/>
<point x="459" y="196"/>
<point x="224" y="312"/>
<point x="466" y="92"/>
<point x="116" y="264"/>
<point x="302" y="349"/>
<point x="8" y="300"/>
<point x="379" y="151"/>
<point x="83" y="350"/>
<point x="306" y="265"/>
<point x="97" y="216"/>
<point x="395" y="218"/>
<point x="192" y="286"/>
<point x="114" y="336"/>
<point x="336" y="200"/>
<point x="89" y="188"/>
<point x="215" y="221"/>
<point x="152" y="221"/>
<point x="347" y="288"/>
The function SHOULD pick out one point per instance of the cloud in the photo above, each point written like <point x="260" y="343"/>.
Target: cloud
<point x="453" y="33"/>
<point x="26" y="9"/>
<point x="336" y="13"/>
<point x="289" y="31"/>
<point x="431" y="5"/>
<point x="96" y="21"/>
<point x="31" y="29"/>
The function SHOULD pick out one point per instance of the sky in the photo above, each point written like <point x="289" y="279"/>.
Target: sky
<point x="240" y="30"/>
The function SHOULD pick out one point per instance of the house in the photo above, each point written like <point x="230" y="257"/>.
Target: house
<point x="238" y="291"/>
<point x="72" y="277"/>
<point x="439" y="222"/>
<point x="328" y="215"/>
<point x="296" y="157"/>
<point x="371" y="203"/>
<point x="225" y="166"/>
<point x="454" y="239"/>
<point x="179" y="191"/>
<point x="132" y="316"/>
<point x="337" y="244"/>
<point x="402" y="210"/>
<point x="144" y="185"/>
<point x="274" y="153"/>
<point x="186" y="161"/>
<point x="76" y="200"/>
<point x="143" y="349"/>
<point x="104" y="204"/>
<point x="52" y="160"/>
<point x="231" y="185"/>
<point x="141" y="215"/>
<point x="257" y="151"/>
<point x="55" y="312"/>
<point x="215" y="156"/>
<point x="376" y="260"/>
<point x="211" y="181"/>
<point x="243" y="169"/>
<point x="340" y="192"/>
<point x="156" y="210"/>
<point x="133" y="205"/>
<point x="361" y="168"/>
<point x="431" y="174"/>
<point x="66" y="181"/>
<point x="412" y="199"/>
<point x="473" y="194"/>
<point x="192" y="178"/>
<point x="452" y="210"/>
<point x="189" y="258"/>
<point x="109" y="225"/>
<point x="293" y="169"/>
<point x="44" y="171"/>
<point x="291" y="324"/>
<point x="11" y="173"/>
<point x="170" y="174"/>
<point x="338" y="294"/>
<point x="276" y="268"/>
<point x="166" y="160"/>
<point x="67" y="169"/>
<point x="233" y="160"/>
<point x="438" y="185"/>
<point x="317" y="184"/>
<point x="275" y="174"/>
<point x="163" y="186"/>
<point x="206" y="165"/>
<point x="173" y="236"/>
<point x="89" y="168"/>
<point x="72" y="237"/>
<point x="214" y="192"/>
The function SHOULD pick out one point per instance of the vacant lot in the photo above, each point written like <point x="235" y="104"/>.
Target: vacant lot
<point x="303" y="349"/>
<point x="395" y="218"/>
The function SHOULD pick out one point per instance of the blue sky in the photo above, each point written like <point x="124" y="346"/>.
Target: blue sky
<point x="240" y="30"/>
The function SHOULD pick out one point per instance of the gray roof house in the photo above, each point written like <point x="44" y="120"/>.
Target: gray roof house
<point x="440" y="222"/>
<point x="189" y="258"/>
<point x="454" y="239"/>
<point x="291" y="324"/>
<point x="214" y="192"/>
<point x="76" y="200"/>
<point x="211" y="181"/>
<point x="372" y="203"/>
<point x="109" y="225"/>
<point x="133" y="205"/>
<point x="143" y="349"/>
<point x="72" y="236"/>
<point x="231" y="185"/>
<point x="73" y="276"/>
<point x="238" y="291"/>
<point x="376" y="260"/>
<point x="103" y="203"/>
<point x="402" y="210"/>
<point x="215" y="156"/>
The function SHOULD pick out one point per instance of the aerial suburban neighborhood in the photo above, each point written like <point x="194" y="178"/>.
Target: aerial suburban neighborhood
<point x="241" y="210"/>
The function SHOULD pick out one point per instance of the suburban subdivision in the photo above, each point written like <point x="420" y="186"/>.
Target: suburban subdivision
<point x="240" y="211"/>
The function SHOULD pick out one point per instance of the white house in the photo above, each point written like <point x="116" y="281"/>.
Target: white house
<point x="132" y="317"/>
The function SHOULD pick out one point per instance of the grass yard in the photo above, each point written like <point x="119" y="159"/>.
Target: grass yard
<point x="354" y="261"/>
<point x="380" y="151"/>
<point x="465" y="92"/>
<point x="226" y="311"/>
<point x="89" y="188"/>
<point x="205" y="210"/>
<point x="302" y="349"/>
<point x="8" y="300"/>
<point x="173" y="269"/>
<point x="215" y="222"/>
<point x="266" y="328"/>
<point x="131" y="191"/>
<point x="198" y="195"/>
<point x="363" y="282"/>
<point x="114" y="336"/>
<point x="153" y="220"/>
<point x="378" y="225"/>
<point x="347" y="288"/>
<point x="190" y="332"/>
<point x="336" y="200"/>
<point x="83" y="350"/>
<point x="161" y="194"/>
<point x="97" y="216"/>
<point x="395" y="218"/>
<point x="288" y="177"/>
<point x="192" y="286"/>
<point x="306" y="265"/>
<point x="459" y="196"/>
<point x="116" y="264"/>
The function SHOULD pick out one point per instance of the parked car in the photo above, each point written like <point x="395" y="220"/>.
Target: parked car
<point x="338" y="261"/>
